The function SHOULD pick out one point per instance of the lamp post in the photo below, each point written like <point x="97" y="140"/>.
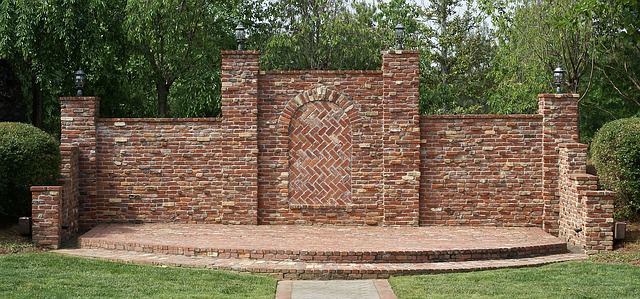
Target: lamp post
<point x="399" y="35"/>
<point x="240" y="36"/>
<point x="558" y="78"/>
<point x="80" y="80"/>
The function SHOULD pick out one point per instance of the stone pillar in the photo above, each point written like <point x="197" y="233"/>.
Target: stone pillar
<point x="240" y="147"/>
<point x="78" y="117"/>
<point x="559" y="125"/>
<point x="401" y="141"/>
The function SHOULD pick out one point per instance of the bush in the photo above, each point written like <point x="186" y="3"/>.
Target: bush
<point x="615" y="152"/>
<point x="28" y="157"/>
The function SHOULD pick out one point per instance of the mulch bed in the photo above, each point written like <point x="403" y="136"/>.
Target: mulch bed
<point x="12" y="242"/>
<point x="626" y="251"/>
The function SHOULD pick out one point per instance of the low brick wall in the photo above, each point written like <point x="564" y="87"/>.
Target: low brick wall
<point x="481" y="170"/>
<point x="586" y="213"/>
<point x="54" y="209"/>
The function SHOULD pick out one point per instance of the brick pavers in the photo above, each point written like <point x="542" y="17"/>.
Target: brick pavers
<point x="298" y="252"/>
<point x="304" y="270"/>
<point x="326" y="244"/>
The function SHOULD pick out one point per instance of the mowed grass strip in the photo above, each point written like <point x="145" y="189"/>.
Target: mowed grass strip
<point x="47" y="275"/>
<point x="563" y="280"/>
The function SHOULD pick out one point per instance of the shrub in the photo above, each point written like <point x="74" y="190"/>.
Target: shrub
<point x="28" y="157"/>
<point x="615" y="152"/>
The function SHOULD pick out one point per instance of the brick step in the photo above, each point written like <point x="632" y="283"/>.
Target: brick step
<point x="337" y="256"/>
<point x="312" y="270"/>
<point x="327" y="244"/>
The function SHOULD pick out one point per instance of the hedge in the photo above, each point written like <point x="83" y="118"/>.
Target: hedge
<point x="28" y="157"/>
<point x="615" y="153"/>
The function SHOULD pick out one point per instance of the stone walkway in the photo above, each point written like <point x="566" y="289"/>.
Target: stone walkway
<point x="335" y="289"/>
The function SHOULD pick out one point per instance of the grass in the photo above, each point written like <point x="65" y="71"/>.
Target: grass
<point x="48" y="275"/>
<point x="563" y="280"/>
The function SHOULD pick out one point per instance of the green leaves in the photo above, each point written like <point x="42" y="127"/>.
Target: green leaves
<point x="456" y="60"/>
<point x="177" y="39"/>
<point x="28" y="157"/>
<point x="322" y="34"/>
<point x="615" y="152"/>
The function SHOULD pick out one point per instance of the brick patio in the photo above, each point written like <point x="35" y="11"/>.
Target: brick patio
<point x="303" y="252"/>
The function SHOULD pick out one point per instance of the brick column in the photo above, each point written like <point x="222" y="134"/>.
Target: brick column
<point x="559" y="125"/>
<point x="78" y="129"/>
<point x="401" y="125"/>
<point x="45" y="214"/>
<point x="240" y="147"/>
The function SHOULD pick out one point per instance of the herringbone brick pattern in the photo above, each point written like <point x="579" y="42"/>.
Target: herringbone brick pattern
<point x="320" y="156"/>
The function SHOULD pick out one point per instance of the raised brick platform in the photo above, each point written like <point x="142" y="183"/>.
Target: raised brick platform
<point x="302" y="252"/>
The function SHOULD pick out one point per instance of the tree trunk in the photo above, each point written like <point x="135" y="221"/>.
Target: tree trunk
<point x="163" y="93"/>
<point x="37" y="103"/>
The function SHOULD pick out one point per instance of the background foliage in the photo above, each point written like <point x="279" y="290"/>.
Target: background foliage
<point x="615" y="152"/>
<point x="28" y="157"/>
<point x="161" y="58"/>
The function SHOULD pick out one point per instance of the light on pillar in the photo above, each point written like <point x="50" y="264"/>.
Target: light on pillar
<point x="240" y="36"/>
<point x="399" y="35"/>
<point x="80" y="80"/>
<point x="558" y="78"/>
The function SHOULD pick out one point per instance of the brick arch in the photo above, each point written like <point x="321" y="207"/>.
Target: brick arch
<point x="321" y="93"/>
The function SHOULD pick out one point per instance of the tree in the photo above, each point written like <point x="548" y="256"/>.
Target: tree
<point x="34" y="44"/>
<point x="534" y="38"/>
<point x="176" y="38"/>
<point x="45" y="42"/>
<point x="456" y="60"/>
<point x="322" y="34"/>
<point x="412" y="16"/>
<point x="12" y="106"/>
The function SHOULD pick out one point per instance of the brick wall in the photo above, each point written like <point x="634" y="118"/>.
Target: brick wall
<point x="586" y="213"/>
<point x="329" y="147"/>
<point x="161" y="170"/>
<point x="171" y="170"/>
<point x="559" y="125"/>
<point x="54" y="209"/>
<point x="299" y="111"/>
<point x="78" y="129"/>
<point x="401" y="139"/>
<point x="481" y="170"/>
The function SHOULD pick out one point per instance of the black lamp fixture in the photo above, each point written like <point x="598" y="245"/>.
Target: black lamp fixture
<point x="399" y="35"/>
<point x="80" y="80"/>
<point x="558" y="78"/>
<point x="240" y="36"/>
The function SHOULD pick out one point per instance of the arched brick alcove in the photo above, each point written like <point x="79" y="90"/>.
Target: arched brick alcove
<point x="318" y="125"/>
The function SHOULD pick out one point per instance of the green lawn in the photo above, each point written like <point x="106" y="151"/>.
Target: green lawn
<point x="563" y="280"/>
<point x="47" y="275"/>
